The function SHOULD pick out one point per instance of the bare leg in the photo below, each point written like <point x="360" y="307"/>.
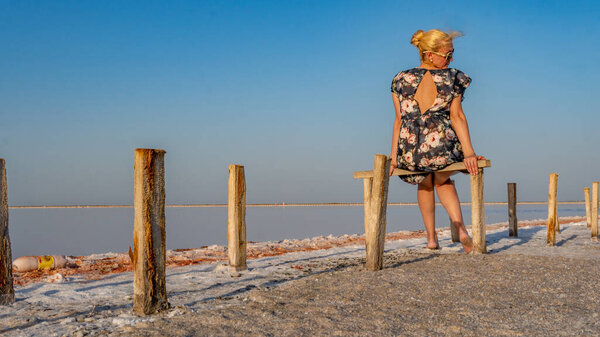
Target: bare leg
<point x="449" y="199"/>
<point x="426" y="199"/>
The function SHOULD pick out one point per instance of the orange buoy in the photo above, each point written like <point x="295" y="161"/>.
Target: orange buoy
<point x="29" y="263"/>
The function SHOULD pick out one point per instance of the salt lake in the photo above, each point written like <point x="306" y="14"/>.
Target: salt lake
<point x="84" y="231"/>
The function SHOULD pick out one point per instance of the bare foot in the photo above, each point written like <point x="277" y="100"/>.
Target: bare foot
<point x="433" y="243"/>
<point x="467" y="243"/>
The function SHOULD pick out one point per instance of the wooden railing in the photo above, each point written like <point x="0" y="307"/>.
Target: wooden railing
<point x="375" y="184"/>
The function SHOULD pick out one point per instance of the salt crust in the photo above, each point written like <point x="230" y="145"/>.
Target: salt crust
<point x="60" y="305"/>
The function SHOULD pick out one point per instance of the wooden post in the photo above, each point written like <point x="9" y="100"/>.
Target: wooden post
<point x="552" y="186"/>
<point x="236" y="218"/>
<point x="453" y="232"/>
<point x="149" y="285"/>
<point x="595" y="211"/>
<point x="367" y="191"/>
<point x="512" y="210"/>
<point x="7" y="291"/>
<point x="375" y="233"/>
<point x="588" y="207"/>
<point x="478" y="213"/>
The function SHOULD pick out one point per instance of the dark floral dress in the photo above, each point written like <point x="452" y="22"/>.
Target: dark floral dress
<point x="427" y="141"/>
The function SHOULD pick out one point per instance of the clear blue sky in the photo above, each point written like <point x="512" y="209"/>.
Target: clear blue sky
<point x="297" y="91"/>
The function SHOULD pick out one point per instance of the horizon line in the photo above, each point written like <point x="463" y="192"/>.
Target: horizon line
<point x="284" y="204"/>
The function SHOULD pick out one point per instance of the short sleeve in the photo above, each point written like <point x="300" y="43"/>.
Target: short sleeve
<point x="461" y="83"/>
<point x="397" y="84"/>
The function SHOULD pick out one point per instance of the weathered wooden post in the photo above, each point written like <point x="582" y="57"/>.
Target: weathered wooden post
<point x="478" y="213"/>
<point x="512" y="210"/>
<point x="453" y="232"/>
<point x="376" y="220"/>
<point x="595" y="211"/>
<point x="588" y="207"/>
<point x="7" y="291"/>
<point x="551" y="231"/>
<point x="236" y="218"/>
<point x="149" y="285"/>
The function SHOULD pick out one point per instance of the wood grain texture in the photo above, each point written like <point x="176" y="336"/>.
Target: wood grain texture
<point x="588" y="207"/>
<point x="7" y="291"/>
<point x="398" y="172"/>
<point x="375" y="233"/>
<point x="236" y="218"/>
<point x="478" y="213"/>
<point x="512" y="210"/>
<point x="367" y="190"/>
<point x="149" y="236"/>
<point x="594" y="226"/>
<point x="551" y="223"/>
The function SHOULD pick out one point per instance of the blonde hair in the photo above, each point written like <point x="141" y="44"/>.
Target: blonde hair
<point x="432" y="40"/>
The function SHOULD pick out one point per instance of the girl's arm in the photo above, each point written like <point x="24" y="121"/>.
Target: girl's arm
<point x="460" y="126"/>
<point x="395" y="134"/>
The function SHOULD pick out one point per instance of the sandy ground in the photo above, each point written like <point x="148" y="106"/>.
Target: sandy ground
<point x="522" y="287"/>
<point x="415" y="295"/>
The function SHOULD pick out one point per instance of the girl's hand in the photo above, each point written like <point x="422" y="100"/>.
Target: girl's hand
<point x="471" y="163"/>
<point x="393" y="165"/>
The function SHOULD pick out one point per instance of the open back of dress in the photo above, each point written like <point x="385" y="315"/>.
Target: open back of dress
<point x="426" y="93"/>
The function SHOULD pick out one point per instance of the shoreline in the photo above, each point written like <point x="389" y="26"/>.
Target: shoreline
<point x="291" y="204"/>
<point x="96" y="266"/>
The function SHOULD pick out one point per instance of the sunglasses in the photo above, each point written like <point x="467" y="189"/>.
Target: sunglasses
<point x="446" y="56"/>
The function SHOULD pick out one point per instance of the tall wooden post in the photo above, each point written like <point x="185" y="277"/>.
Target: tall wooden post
<point x="595" y="210"/>
<point x="454" y="232"/>
<point x="149" y="285"/>
<point x="375" y="232"/>
<point x="512" y="210"/>
<point x="236" y="218"/>
<point x="478" y="213"/>
<point x="588" y="207"/>
<point x="552" y="187"/>
<point x="7" y="291"/>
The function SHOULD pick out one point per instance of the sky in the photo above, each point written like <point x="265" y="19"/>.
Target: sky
<point x="296" y="91"/>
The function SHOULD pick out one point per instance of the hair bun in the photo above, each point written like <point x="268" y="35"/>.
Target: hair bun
<point x="416" y="38"/>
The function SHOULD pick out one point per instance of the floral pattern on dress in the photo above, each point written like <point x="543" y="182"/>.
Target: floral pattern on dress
<point x="427" y="141"/>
